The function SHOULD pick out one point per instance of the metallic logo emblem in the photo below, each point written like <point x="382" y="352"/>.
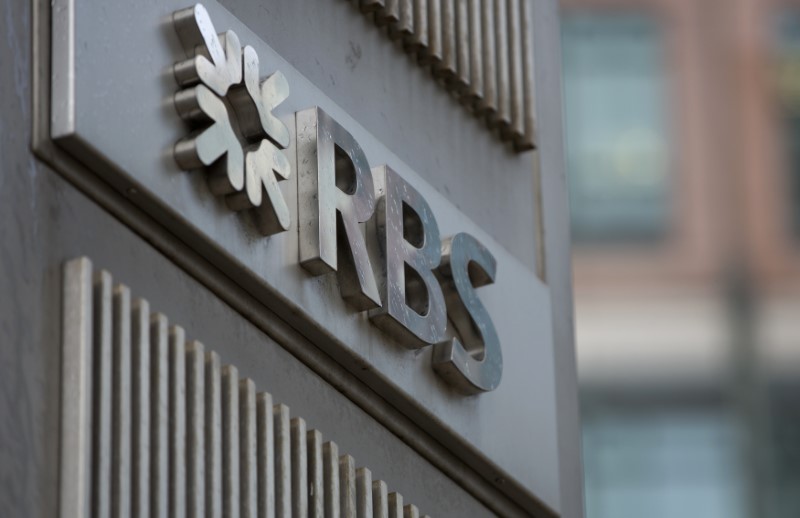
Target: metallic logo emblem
<point x="236" y="138"/>
<point x="421" y="281"/>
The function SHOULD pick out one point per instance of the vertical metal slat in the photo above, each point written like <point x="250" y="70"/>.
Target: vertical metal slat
<point x="502" y="118"/>
<point x="316" y="477"/>
<point x="76" y="390"/>
<point x="516" y="93"/>
<point x="266" y="456"/>
<point x="299" y="467"/>
<point x="140" y="380"/>
<point x="528" y="141"/>
<point x="479" y="50"/>
<point x="474" y="93"/>
<point x="154" y="427"/>
<point x="101" y="419"/>
<point x="370" y="6"/>
<point x="488" y="105"/>
<point x="177" y="422"/>
<point x="330" y="468"/>
<point x="248" y="462"/>
<point x="283" y="462"/>
<point x="395" y="505"/>
<point x="121" y="407"/>
<point x="159" y="418"/>
<point x="460" y="82"/>
<point x="230" y="442"/>
<point x="380" y="499"/>
<point x="446" y="68"/>
<point x="410" y="511"/>
<point x="388" y="14"/>
<point x="417" y="41"/>
<point x="213" y="418"/>
<point x="347" y="486"/>
<point x="363" y="493"/>
<point x="403" y="28"/>
<point x="432" y="54"/>
<point x="196" y="427"/>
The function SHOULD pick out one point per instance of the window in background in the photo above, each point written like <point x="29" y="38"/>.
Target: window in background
<point x="789" y="99"/>
<point x="782" y="492"/>
<point x="660" y="462"/>
<point x="617" y="153"/>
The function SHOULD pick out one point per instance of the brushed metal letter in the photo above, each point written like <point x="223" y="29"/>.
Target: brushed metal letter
<point x="473" y="363"/>
<point x="414" y="310"/>
<point x="335" y="194"/>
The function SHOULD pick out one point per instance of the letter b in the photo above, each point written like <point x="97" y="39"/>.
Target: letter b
<point x="414" y="311"/>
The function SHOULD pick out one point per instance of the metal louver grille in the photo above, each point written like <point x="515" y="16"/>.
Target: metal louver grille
<point x="153" y="425"/>
<point x="479" y="50"/>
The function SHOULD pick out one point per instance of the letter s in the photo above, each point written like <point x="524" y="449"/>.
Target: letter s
<point x="476" y="364"/>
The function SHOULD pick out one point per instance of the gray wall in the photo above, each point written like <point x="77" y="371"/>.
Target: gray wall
<point x="44" y="220"/>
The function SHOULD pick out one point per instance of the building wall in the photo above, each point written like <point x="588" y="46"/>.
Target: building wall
<point x="50" y="217"/>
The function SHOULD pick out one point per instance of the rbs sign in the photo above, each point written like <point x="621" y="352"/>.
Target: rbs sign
<point x="408" y="279"/>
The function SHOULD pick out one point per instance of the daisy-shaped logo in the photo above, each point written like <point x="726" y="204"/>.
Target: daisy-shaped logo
<point x="235" y="137"/>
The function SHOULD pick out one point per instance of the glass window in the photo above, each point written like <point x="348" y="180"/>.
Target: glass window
<point x="616" y="130"/>
<point x="789" y="95"/>
<point x="782" y="491"/>
<point x="660" y="463"/>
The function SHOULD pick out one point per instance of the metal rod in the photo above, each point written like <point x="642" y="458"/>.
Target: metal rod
<point x="177" y="423"/>
<point x="121" y="429"/>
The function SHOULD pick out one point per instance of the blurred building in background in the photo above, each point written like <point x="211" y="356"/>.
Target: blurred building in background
<point x="683" y="136"/>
